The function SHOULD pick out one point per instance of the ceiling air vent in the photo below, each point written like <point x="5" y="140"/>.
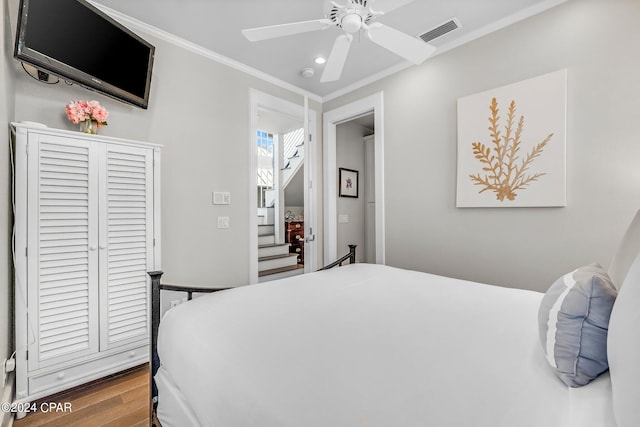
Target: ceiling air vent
<point x="440" y="30"/>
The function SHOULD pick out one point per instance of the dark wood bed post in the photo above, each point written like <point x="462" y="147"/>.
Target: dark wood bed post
<point x="153" y="356"/>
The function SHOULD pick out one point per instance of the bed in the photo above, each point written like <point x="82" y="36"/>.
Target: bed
<point x="373" y="345"/>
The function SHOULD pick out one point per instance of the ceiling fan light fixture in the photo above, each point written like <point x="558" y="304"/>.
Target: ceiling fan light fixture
<point x="351" y="23"/>
<point x="353" y="16"/>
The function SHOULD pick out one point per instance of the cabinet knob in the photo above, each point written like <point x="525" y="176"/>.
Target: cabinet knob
<point x="132" y="354"/>
<point x="60" y="375"/>
<point x="103" y="246"/>
<point x="93" y="247"/>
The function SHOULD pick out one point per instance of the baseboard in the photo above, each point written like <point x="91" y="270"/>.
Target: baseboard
<point x="6" y="396"/>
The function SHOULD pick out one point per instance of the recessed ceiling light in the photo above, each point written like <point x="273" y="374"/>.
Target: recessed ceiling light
<point x="320" y="60"/>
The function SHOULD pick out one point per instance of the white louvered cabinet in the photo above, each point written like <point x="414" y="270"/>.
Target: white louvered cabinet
<point x="87" y="231"/>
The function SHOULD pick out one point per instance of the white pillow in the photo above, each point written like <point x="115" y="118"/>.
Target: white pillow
<point x="623" y="350"/>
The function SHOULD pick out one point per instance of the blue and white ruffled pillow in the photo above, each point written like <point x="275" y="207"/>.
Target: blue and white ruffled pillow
<point x="573" y="322"/>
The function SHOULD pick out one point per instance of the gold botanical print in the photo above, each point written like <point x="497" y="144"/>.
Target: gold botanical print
<point x="505" y="172"/>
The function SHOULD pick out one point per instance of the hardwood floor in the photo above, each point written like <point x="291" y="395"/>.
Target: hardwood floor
<point x="121" y="401"/>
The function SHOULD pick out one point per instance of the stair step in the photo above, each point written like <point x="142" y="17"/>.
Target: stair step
<point x="267" y="239"/>
<point x="266" y="216"/>
<point x="276" y="261"/>
<point x="265" y="229"/>
<point x="273" y="249"/>
<point x="281" y="272"/>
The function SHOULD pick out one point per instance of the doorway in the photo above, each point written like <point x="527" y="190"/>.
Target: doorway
<point x="355" y="156"/>
<point x="372" y="105"/>
<point x="282" y="204"/>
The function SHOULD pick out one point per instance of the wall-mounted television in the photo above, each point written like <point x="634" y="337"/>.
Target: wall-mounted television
<point x="77" y="42"/>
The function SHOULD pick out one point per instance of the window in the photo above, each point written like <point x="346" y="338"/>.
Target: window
<point x="265" y="141"/>
<point x="264" y="146"/>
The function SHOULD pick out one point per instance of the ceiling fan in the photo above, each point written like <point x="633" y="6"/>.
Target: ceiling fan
<point x="352" y="17"/>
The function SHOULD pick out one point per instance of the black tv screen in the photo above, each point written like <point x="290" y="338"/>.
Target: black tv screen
<point x="75" y="41"/>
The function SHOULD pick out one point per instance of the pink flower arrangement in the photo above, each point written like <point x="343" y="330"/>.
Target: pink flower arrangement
<point x="81" y="111"/>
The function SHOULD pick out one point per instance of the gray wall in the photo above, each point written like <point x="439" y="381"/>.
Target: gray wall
<point x="597" y="41"/>
<point x="6" y="116"/>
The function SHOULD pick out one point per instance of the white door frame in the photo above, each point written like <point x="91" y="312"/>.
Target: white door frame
<point x="258" y="100"/>
<point x="372" y="103"/>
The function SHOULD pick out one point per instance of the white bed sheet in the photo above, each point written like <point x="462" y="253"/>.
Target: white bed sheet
<point x="367" y="345"/>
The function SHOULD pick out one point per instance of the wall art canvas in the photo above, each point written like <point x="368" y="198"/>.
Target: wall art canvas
<point x="512" y="145"/>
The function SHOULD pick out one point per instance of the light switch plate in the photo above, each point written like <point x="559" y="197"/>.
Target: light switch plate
<point x="223" y="222"/>
<point x="221" y="198"/>
<point x="343" y="219"/>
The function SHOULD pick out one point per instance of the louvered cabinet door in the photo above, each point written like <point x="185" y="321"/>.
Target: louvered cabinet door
<point x="126" y="241"/>
<point x="62" y="246"/>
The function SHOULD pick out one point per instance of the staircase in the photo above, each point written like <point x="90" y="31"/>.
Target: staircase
<point x="274" y="259"/>
<point x="293" y="154"/>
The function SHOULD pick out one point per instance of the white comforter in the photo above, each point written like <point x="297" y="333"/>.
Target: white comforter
<point x="366" y="345"/>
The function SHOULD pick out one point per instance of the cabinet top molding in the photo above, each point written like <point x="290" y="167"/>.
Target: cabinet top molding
<point x="38" y="128"/>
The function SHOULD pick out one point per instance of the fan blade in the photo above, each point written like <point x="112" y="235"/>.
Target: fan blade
<point x="388" y="5"/>
<point x="273" y="31"/>
<point x="410" y="48"/>
<point x="337" y="58"/>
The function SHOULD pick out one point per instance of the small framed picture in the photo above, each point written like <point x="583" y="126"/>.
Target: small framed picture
<point x="348" y="183"/>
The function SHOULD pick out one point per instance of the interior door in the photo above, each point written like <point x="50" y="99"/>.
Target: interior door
<point x="310" y="190"/>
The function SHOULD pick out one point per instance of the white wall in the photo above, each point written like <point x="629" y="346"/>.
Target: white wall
<point x="350" y="155"/>
<point x="597" y="42"/>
